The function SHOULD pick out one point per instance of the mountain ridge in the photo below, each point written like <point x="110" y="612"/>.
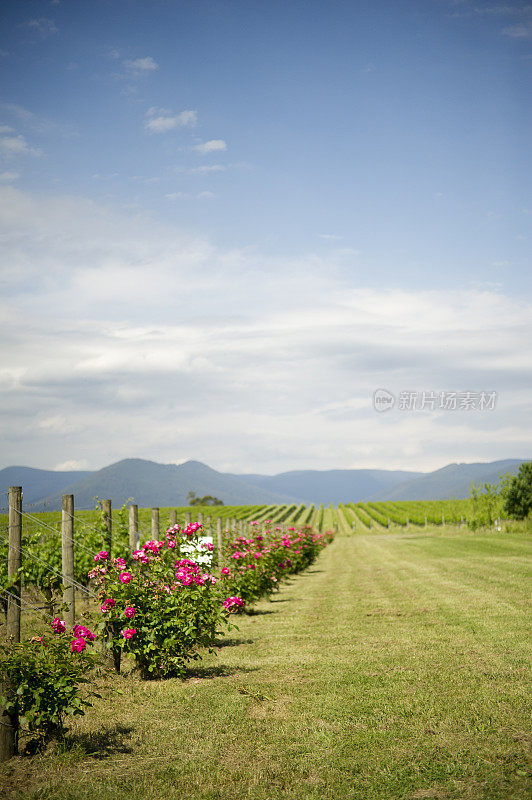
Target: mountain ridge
<point x="152" y="484"/>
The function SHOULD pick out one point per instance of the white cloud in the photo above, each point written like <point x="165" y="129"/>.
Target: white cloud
<point x="17" y="146"/>
<point x="17" y="111"/>
<point x="248" y="362"/>
<point x="206" y="195"/>
<point x="8" y="176"/>
<point x="523" y="30"/>
<point x="212" y="146"/>
<point x="35" y="122"/>
<point x="160" y="120"/>
<point x="140" y="66"/>
<point x="209" y="168"/>
<point x="72" y="466"/>
<point x="502" y="10"/>
<point x="58" y="424"/>
<point x="43" y="26"/>
<point x="330" y="236"/>
<point x="174" y="195"/>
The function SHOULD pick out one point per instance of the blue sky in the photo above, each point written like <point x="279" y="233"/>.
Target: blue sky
<point x="227" y="223"/>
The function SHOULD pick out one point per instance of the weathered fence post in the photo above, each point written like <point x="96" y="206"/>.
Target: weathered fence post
<point x="67" y="558"/>
<point x="200" y="518"/>
<point x="173" y="517"/>
<point x="9" y="724"/>
<point x="8" y="731"/>
<point x="14" y="561"/>
<point x="219" y="542"/>
<point x="134" y="527"/>
<point x="426" y="521"/>
<point x="107" y="515"/>
<point x="187" y="517"/>
<point x="155" y="524"/>
<point x="389" y="523"/>
<point x="443" y="520"/>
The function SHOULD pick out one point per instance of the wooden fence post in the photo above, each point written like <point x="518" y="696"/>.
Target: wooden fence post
<point x="107" y="515"/>
<point x="443" y="520"/>
<point x="67" y="558"/>
<point x="8" y="724"/>
<point x="155" y="524"/>
<point x="426" y="521"/>
<point x="200" y="518"/>
<point x="134" y="527"/>
<point x="14" y="561"/>
<point x="173" y="517"/>
<point x="187" y="517"/>
<point x="8" y="731"/>
<point x="219" y="542"/>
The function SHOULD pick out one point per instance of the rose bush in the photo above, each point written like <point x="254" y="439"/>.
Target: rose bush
<point x="173" y="602"/>
<point x="254" y="566"/>
<point x="42" y="679"/>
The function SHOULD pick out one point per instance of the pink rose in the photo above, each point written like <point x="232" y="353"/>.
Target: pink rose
<point x="107" y="604"/>
<point x="101" y="556"/>
<point x="129" y="612"/>
<point x="125" y="577"/>
<point x="128" y="633"/>
<point x="58" y="625"/>
<point x="233" y="603"/>
<point x="78" y="645"/>
<point x="83" y="633"/>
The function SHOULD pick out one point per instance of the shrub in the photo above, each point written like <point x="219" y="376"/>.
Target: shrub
<point x="255" y="566"/>
<point x="518" y="493"/>
<point x="157" y="606"/>
<point x="43" y="677"/>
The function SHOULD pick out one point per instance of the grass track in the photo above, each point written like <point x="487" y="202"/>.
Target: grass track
<point x="395" y="668"/>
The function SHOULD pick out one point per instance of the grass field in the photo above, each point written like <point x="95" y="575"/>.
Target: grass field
<point x="396" y="667"/>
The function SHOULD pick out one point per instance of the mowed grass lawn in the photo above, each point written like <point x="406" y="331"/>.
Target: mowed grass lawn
<point x="396" y="667"/>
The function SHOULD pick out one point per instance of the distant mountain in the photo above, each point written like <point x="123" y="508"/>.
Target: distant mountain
<point x="151" y="484"/>
<point x="330" y="486"/>
<point x="454" y="480"/>
<point x="38" y="483"/>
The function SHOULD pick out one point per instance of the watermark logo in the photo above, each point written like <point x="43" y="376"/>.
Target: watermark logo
<point x="383" y="400"/>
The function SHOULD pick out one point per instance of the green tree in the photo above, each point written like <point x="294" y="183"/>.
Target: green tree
<point x="485" y="504"/>
<point x="518" y="493"/>
<point x="206" y="500"/>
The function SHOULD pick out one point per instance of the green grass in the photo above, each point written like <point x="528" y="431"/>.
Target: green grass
<point x="396" y="667"/>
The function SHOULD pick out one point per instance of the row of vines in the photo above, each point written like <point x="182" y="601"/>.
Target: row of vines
<point x="160" y="605"/>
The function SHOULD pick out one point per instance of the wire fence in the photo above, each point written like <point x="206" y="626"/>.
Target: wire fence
<point x="50" y="531"/>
